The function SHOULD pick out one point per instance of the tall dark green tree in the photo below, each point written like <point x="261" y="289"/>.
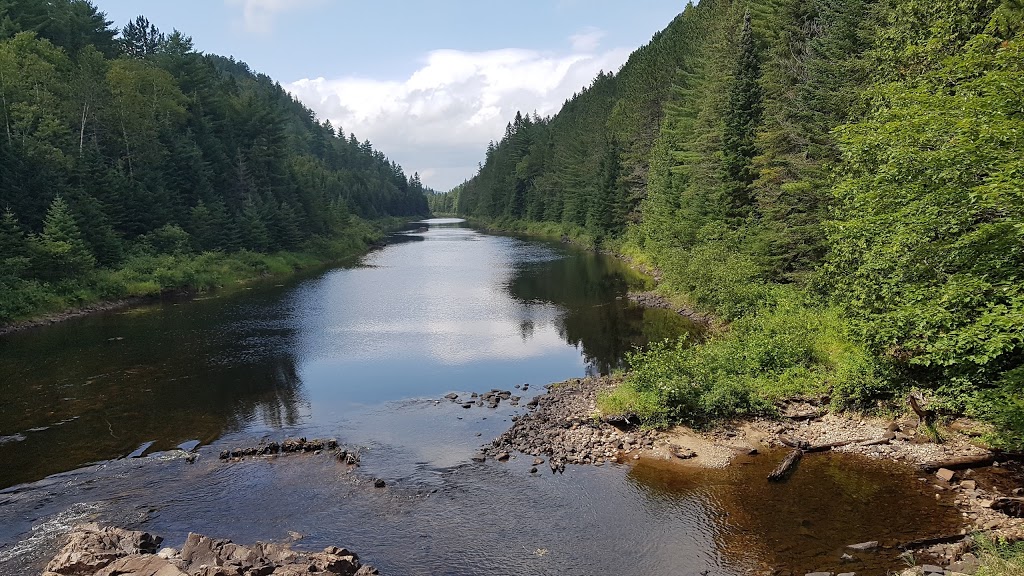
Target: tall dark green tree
<point x="742" y="120"/>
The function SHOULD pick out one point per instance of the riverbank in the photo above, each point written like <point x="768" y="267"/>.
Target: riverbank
<point x="92" y="550"/>
<point x="149" y="278"/>
<point x="564" y="426"/>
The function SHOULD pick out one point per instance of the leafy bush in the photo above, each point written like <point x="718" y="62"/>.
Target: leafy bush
<point x="786" y="349"/>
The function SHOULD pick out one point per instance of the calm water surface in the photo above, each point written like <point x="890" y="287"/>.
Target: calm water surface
<point x="363" y="354"/>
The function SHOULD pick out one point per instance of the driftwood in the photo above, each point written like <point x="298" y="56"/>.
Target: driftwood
<point x="787" y="466"/>
<point x="807" y="447"/>
<point x="960" y="463"/>
<point x="926" y="542"/>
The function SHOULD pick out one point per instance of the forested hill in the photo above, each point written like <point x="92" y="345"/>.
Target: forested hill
<point x="842" y="181"/>
<point x="117" y="144"/>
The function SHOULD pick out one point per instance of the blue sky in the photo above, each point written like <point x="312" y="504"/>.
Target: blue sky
<point x="429" y="83"/>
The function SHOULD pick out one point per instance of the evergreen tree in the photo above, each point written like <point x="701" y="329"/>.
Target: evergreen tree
<point x="742" y="119"/>
<point x="60" y="251"/>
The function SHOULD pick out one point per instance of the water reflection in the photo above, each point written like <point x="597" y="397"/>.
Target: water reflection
<point x="805" y="524"/>
<point x="447" y="309"/>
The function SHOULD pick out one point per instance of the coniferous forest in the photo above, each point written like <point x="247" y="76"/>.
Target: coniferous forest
<point x="131" y="164"/>
<point x="841" y="184"/>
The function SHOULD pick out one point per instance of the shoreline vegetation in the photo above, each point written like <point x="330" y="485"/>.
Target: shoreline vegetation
<point x="149" y="278"/>
<point x="838" y="184"/>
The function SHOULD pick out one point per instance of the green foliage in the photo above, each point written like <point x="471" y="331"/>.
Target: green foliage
<point x="59" y="252"/>
<point x="786" y="349"/>
<point x="999" y="557"/>
<point x="151" y="148"/>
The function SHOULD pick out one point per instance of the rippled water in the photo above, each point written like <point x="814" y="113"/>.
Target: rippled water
<point x="364" y="354"/>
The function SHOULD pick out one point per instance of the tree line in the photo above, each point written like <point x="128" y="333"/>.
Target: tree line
<point x="855" y="164"/>
<point x="122" y="143"/>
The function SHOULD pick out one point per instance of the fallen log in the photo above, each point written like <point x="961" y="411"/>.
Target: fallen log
<point x="926" y="542"/>
<point x="786" y="467"/>
<point x="807" y="447"/>
<point x="960" y="463"/>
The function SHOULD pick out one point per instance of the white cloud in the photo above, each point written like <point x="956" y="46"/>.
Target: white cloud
<point x="587" y="41"/>
<point x="438" y="120"/>
<point x="258" y="15"/>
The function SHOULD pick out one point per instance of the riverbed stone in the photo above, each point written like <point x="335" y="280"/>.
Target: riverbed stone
<point x="945" y="474"/>
<point x="864" y="546"/>
<point x="141" y="566"/>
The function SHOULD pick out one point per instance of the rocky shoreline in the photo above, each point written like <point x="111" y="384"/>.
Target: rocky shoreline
<point x="655" y="300"/>
<point x="564" y="427"/>
<point x="92" y="550"/>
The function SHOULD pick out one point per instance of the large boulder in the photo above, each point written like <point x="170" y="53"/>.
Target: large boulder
<point x="91" y="548"/>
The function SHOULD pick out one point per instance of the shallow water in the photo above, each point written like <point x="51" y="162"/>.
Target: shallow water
<point x="364" y="354"/>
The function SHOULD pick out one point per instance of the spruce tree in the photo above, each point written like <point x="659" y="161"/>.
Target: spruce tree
<point x="60" y="250"/>
<point x="742" y="118"/>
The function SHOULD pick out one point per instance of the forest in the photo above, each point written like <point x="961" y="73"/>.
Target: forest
<point x="131" y="164"/>
<point x="839" y="183"/>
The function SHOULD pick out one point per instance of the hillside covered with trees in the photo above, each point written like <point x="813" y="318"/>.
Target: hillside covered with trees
<point x="841" y="183"/>
<point x="130" y="163"/>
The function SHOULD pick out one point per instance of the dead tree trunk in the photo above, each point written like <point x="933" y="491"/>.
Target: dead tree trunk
<point x="787" y="466"/>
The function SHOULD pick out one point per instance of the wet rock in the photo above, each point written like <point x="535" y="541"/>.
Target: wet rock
<point x="502" y="457"/>
<point x="864" y="546"/>
<point x="467" y="405"/>
<point x="945" y="474"/>
<point x="452" y="396"/>
<point x="478" y="458"/>
<point x="141" y="566"/>
<point x="932" y="569"/>
<point x="378" y="483"/>
<point x="125" y="553"/>
<point x="969" y="485"/>
<point x="533" y="470"/>
<point x="91" y="548"/>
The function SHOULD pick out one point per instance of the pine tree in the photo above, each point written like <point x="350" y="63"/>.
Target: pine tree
<point x="742" y="118"/>
<point x="60" y="250"/>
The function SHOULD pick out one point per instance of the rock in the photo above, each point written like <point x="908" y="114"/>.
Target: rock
<point x="503" y="457"/>
<point x="478" y="458"/>
<point x="141" y="566"/>
<point x="848" y="558"/>
<point x="452" y="396"/>
<point x="91" y="548"/>
<point x="969" y="485"/>
<point x="538" y="461"/>
<point x="932" y="569"/>
<point x="378" y="483"/>
<point x="864" y="546"/>
<point x="467" y="405"/>
<point x="847" y="574"/>
<point x="1018" y="491"/>
<point x="682" y="453"/>
<point x="819" y="574"/>
<point x="367" y="570"/>
<point x="945" y="474"/>
<point x="533" y="470"/>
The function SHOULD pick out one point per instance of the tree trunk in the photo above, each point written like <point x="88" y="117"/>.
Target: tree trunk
<point x="787" y="466"/>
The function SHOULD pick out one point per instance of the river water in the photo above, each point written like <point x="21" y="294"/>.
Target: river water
<point x="364" y="354"/>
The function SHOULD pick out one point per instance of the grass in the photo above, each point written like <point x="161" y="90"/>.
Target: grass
<point x="999" y="558"/>
<point x="150" y="275"/>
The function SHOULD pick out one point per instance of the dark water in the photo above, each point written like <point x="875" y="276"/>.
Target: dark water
<point x="363" y="354"/>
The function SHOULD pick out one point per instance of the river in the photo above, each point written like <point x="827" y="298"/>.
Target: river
<point x="364" y="354"/>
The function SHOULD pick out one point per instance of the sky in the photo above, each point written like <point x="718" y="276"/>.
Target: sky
<point x="428" y="82"/>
